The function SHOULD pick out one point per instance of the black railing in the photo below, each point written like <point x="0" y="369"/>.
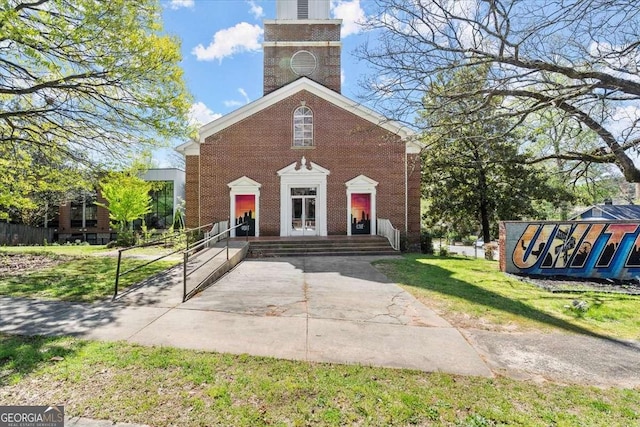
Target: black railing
<point x="155" y="242"/>
<point x="198" y="246"/>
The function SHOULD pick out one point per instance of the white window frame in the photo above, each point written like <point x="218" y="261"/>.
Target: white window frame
<point x="303" y="142"/>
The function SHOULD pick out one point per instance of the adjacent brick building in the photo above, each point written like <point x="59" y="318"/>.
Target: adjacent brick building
<point x="303" y="159"/>
<point x="81" y="219"/>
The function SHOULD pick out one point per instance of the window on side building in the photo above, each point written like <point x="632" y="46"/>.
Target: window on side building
<point x="161" y="215"/>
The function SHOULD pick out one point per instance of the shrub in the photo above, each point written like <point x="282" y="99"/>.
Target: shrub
<point x="490" y="250"/>
<point x="426" y="242"/>
<point x="469" y="241"/>
<point x="126" y="238"/>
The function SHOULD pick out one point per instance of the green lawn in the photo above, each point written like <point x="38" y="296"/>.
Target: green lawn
<point x="57" y="249"/>
<point x="81" y="250"/>
<point x="163" y="386"/>
<point x="474" y="293"/>
<point x="87" y="279"/>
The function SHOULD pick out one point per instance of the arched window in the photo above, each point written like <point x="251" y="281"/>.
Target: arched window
<point x="303" y="127"/>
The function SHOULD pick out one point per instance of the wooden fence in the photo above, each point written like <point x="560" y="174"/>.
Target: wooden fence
<point x="20" y="234"/>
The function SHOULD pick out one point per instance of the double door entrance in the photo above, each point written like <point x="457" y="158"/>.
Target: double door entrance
<point x="303" y="211"/>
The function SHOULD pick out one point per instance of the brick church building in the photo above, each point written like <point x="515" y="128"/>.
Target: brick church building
<point x="304" y="160"/>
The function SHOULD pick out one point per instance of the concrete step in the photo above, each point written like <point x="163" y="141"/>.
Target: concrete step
<point x="332" y="253"/>
<point x="343" y="245"/>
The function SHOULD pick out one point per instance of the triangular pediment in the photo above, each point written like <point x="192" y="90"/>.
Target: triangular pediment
<point x="304" y="169"/>
<point x="361" y="181"/>
<point x="294" y="87"/>
<point x="244" y="181"/>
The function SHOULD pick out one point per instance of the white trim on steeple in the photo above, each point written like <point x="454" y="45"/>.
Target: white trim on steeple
<point x="302" y="43"/>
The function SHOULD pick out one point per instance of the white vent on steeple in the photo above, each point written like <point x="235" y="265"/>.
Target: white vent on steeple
<point x="303" y="9"/>
<point x="303" y="63"/>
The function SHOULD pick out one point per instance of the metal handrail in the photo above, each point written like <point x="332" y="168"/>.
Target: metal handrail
<point x="386" y="229"/>
<point x="199" y="245"/>
<point x="146" y="244"/>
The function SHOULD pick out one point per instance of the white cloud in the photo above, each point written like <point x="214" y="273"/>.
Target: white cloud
<point x="200" y="114"/>
<point x="177" y="4"/>
<point x="351" y="14"/>
<point x="244" y="94"/>
<point x="256" y="10"/>
<point x="236" y="103"/>
<point x="243" y="37"/>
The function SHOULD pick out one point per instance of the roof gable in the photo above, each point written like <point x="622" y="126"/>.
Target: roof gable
<point x="616" y="212"/>
<point x="314" y="88"/>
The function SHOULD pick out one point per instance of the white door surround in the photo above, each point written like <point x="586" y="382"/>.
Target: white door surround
<point x="244" y="186"/>
<point x="362" y="185"/>
<point x="306" y="176"/>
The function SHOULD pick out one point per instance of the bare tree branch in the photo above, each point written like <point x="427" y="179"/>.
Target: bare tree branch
<point x="578" y="58"/>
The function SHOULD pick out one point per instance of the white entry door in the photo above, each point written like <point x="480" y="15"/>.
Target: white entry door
<point x="303" y="211"/>
<point x="303" y="199"/>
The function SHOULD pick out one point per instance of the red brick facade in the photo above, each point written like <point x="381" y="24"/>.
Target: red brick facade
<point x="344" y="143"/>
<point x="101" y="231"/>
<point x="302" y="67"/>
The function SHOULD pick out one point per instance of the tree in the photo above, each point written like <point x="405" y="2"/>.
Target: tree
<point x="577" y="58"/>
<point x="84" y="83"/>
<point x="127" y="198"/>
<point x="550" y="135"/>
<point x="33" y="183"/>
<point x="476" y="174"/>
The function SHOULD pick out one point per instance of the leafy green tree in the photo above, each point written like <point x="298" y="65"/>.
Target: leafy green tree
<point x="475" y="173"/>
<point x="127" y="198"/>
<point x="549" y="135"/>
<point x="83" y="83"/>
<point x="32" y="182"/>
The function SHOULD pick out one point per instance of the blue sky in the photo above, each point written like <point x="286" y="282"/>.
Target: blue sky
<point x="222" y="53"/>
<point x="222" y="49"/>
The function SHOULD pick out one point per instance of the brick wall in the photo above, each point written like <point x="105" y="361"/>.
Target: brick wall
<point x="279" y="32"/>
<point x="277" y="59"/>
<point x="192" y="187"/>
<point x="413" y="211"/>
<point x="103" y="222"/>
<point x="345" y="144"/>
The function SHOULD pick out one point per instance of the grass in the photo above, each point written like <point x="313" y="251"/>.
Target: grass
<point x="84" y="279"/>
<point x="474" y="293"/>
<point x="77" y="250"/>
<point x="164" y="386"/>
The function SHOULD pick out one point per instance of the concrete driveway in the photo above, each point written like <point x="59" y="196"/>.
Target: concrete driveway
<point x="326" y="309"/>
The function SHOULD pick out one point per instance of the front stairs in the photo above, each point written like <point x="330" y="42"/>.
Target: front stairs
<point x="265" y="246"/>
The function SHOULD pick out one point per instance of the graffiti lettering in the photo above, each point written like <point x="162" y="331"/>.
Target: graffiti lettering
<point x="532" y="244"/>
<point x="577" y="249"/>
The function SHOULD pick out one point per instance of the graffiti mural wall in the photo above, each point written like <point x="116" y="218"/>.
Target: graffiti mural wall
<point x="579" y="249"/>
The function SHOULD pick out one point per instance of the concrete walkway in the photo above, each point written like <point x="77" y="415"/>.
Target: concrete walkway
<point x="325" y="309"/>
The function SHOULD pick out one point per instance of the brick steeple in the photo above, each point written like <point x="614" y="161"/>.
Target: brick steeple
<point x="302" y="42"/>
